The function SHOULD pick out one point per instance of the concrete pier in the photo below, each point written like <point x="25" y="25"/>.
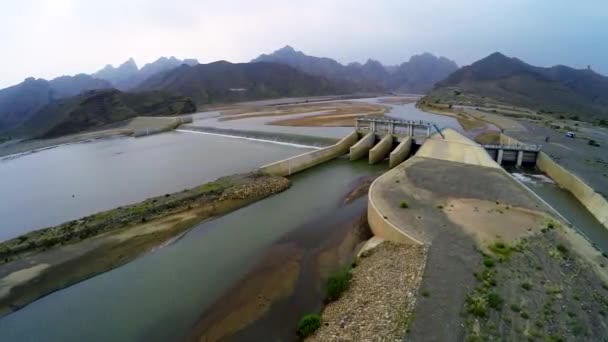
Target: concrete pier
<point x="381" y="150"/>
<point x="362" y="147"/>
<point x="400" y="153"/>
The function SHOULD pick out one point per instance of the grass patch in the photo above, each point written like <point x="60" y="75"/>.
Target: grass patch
<point x="308" y="325"/>
<point x="501" y="249"/>
<point x="337" y="284"/>
<point x="404" y="205"/>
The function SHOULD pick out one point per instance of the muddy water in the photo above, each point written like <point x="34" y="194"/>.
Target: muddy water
<point x="289" y="280"/>
<point x="165" y="295"/>
<point x="567" y="205"/>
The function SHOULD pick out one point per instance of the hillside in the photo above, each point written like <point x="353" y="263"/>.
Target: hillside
<point x="128" y="75"/>
<point x="19" y="102"/>
<point x="560" y="89"/>
<point x="417" y="75"/>
<point x="222" y="82"/>
<point x="97" y="108"/>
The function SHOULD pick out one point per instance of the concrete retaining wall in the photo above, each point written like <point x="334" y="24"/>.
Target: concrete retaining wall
<point x="400" y="153"/>
<point x="381" y="150"/>
<point x="303" y="161"/>
<point x="162" y="124"/>
<point x="362" y="147"/>
<point x="593" y="201"/>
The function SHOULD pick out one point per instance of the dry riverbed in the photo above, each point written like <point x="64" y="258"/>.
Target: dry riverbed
<point x="44" y="261"/>
<point x="321" y="114"/>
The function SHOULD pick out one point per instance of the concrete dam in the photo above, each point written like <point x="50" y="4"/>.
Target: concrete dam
<point x="378" y="139"/>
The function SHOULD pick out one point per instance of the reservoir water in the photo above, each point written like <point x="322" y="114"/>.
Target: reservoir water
<point x="56" y="185"/>
<point x="161" y="296"/>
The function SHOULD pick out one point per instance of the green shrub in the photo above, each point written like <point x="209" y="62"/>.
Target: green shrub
<point x="338" y="283"/>
<point x="308" y="325"/>
<point x="477" y="305"/>
<point x="404" y="205"/>
<point x="494" y="300"/>
<point x="515" y="308"/>
<point x="526" y="286"/>
<point x="488" y="262"/>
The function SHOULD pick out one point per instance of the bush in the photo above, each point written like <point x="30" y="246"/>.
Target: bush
<point x="338" y="283"/>
<point x="308" y="325"/>
<point x="404" y="205"/>
<point x="488" y="262"/>
<point x="494" y="300"/>
<point x="526" y="286"/>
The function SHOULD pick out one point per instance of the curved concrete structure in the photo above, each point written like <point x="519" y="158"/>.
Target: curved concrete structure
<point x="593" y="201"/>
<point x="381" y="150"/>
<point x="379" y="223"/>
<point x="362" y="147"/>
<point x="400" y="153"/>
<point x="303" y="161"/>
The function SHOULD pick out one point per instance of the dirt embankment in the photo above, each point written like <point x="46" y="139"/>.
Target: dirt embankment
<point x="80" y="249"/>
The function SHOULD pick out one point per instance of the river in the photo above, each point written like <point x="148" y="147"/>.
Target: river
<point x="56" y="185"/>
<point x="162" y="295"/>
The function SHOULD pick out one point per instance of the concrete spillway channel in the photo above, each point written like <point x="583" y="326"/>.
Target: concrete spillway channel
<point x="357" y="148"/>
<point x="362" y="147"/>
<point x="400" y="153"/>
<point x="381" y="150"/>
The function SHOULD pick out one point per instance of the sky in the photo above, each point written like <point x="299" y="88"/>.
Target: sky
<point x="50" y="38"/>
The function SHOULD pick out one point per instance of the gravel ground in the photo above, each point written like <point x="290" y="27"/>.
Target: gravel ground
<point x="380" y="300"/>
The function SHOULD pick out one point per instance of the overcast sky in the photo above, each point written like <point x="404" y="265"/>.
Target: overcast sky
<point x="50" y="38"/>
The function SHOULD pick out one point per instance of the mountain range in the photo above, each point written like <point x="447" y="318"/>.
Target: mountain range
<point x="96" y="108"/>
<point x="222" y="82"/>
<point x="560" y="89"/>
<point x="20" y="102"/>
<point x="128" y="76"/>
<point x="418" y="75"/>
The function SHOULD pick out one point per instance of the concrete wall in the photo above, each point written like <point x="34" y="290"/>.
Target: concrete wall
<point x="142" y="126"/>
<point x="593" y="201"/>
<point x="362" y="147"/>
<point x="303" y="161"/>
<point x="381" y="150"/>
<point x="400" y="153"/>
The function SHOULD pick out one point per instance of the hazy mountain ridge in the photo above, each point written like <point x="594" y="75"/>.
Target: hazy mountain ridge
<point x="419" y="74"/>
<point x="96" y="108"/>
<point x="128" y="76"/>
<point x="19" y="102"/>
<point x="230" y="82"/>
<point x="559" y="89"/>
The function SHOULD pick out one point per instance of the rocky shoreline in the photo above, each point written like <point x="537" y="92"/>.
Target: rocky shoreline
<point x="379" y="302"/>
